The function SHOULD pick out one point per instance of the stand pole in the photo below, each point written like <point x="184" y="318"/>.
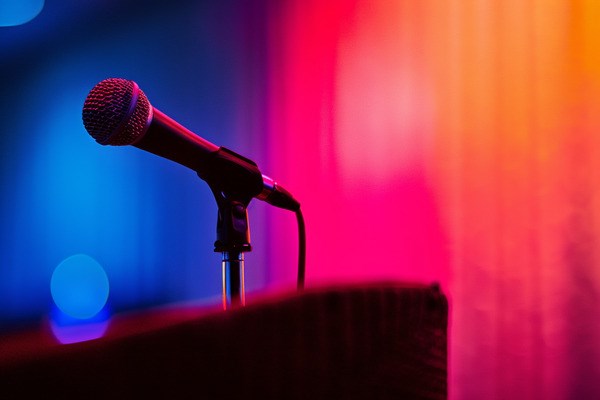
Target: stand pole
<point x="233" y="280"/>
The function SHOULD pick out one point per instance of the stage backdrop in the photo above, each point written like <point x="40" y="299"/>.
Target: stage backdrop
<point x="444" y="141"/>
<point x="455" y="141"/>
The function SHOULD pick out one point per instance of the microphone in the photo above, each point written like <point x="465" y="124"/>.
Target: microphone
<point x="116" y="112"/>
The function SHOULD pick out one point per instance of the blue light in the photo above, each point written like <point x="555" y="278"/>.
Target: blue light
<point x="79" y="286"/>
<point x="18" y="12"/>
<point x="149" y="221"/>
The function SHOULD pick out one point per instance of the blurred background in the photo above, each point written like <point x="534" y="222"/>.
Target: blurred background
<point x="428" y="141"/>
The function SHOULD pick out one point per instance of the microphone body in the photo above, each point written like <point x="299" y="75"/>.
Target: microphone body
<point x="117" y="112"/>
<point x="223" y="169"/>
<point x="168" y="139"/>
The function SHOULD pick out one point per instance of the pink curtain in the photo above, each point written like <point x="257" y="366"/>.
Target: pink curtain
<point x="453" y="141"/>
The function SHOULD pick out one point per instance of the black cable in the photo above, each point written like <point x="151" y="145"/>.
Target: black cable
<point x="301" y="249"/>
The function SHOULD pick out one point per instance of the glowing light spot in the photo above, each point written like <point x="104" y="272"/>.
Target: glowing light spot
<point x="18" y="12"/>
<point x="79" y="286"/>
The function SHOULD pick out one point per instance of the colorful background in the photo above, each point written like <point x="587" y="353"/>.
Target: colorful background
<point x="431" y="141"/>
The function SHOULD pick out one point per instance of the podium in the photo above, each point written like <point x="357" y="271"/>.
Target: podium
<point x="367" y="341"/>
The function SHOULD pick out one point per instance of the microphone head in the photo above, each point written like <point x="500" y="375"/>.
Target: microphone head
<point x="116" y="112"/>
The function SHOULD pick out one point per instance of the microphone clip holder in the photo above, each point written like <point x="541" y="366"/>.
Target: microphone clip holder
<point x="233" y="240"/>
<point x="234" y="181"/>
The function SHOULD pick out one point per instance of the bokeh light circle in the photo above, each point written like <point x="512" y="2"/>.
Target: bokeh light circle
<point x="18" y="12"/>
<point x="79" y="286"/>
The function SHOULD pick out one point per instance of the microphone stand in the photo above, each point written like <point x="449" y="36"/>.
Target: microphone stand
<point x="233" y="239"/>
<point x="234" y="181"/>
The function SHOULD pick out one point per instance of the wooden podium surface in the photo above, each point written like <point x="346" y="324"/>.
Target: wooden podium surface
<point x="378" y="341"/>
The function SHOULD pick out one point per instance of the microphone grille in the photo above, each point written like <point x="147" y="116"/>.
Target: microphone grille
<point x="116" y="112"/>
